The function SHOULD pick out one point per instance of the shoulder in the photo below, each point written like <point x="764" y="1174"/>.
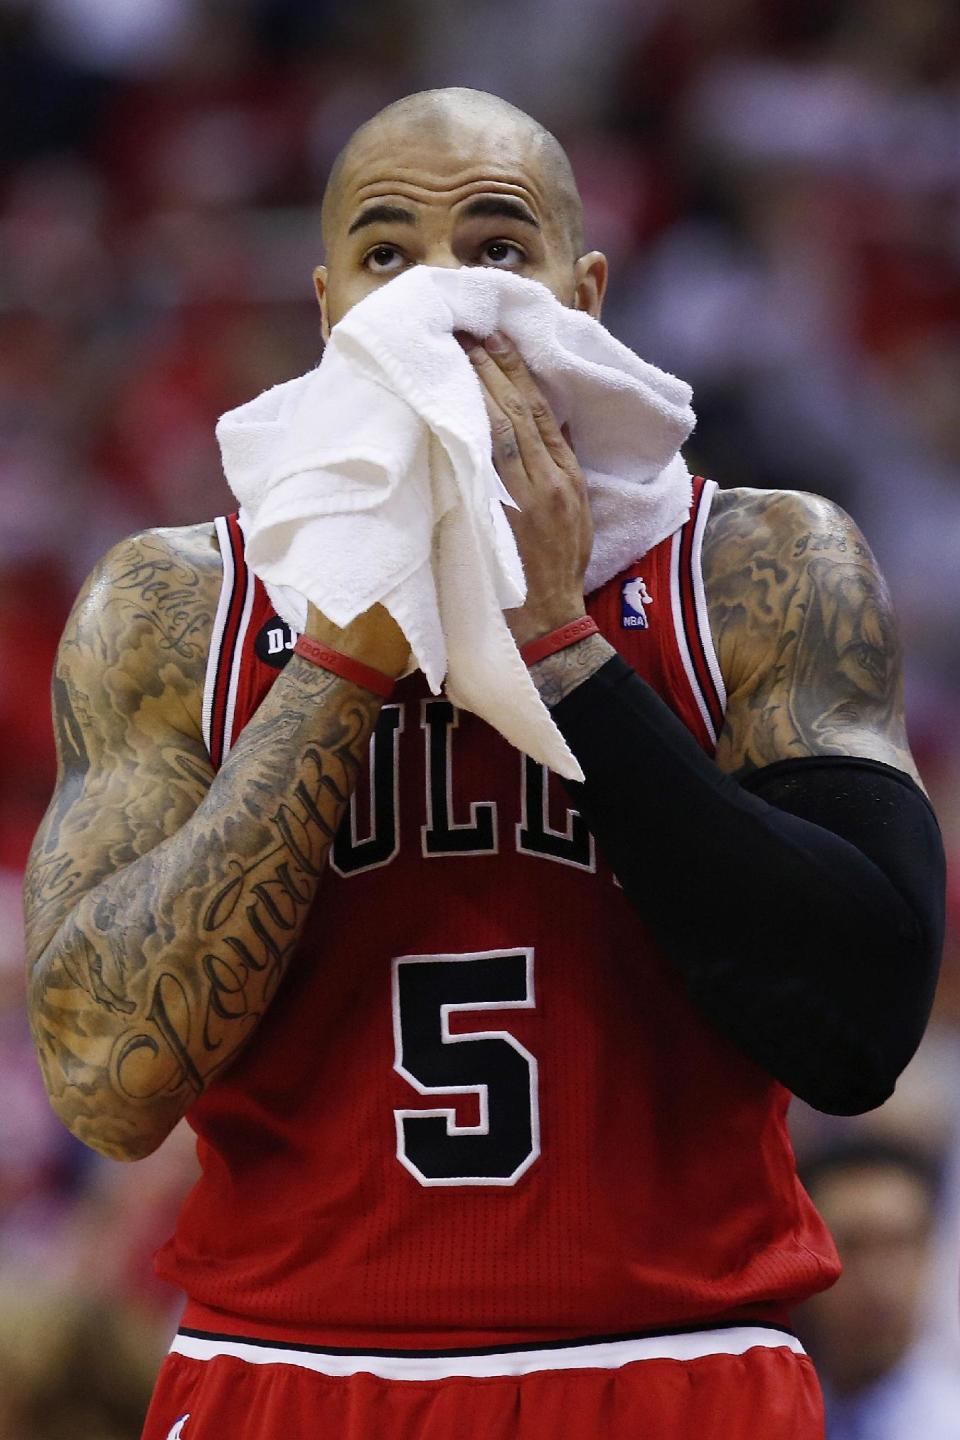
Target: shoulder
<point x="152" y="565"/>
<point x="159" y="583"/>
<point x="805" y="633"/>
<point x="769" y="558"/>
<point x="791" y="524"/>
<point x="127" y="697"/>
<point x="143" y="618"/>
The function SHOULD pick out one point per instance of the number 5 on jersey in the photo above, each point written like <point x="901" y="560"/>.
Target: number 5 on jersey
<point x="491" y="1064"/>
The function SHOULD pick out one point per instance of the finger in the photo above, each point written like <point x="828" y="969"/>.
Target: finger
<point x="512" y="365"/>
<point x="511" y="404"/>
<point x="506" y="450"/>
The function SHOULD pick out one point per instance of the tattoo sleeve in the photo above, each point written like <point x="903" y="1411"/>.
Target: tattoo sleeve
<point x="558" y="674"/>
<point x="164" y="903"/>
<point x="805" y="632"/>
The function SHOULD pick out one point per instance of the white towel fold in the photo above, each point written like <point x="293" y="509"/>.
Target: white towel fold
<point x="370" y="478"/>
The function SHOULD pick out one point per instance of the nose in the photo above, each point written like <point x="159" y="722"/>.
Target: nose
<point x="442" y="257"/>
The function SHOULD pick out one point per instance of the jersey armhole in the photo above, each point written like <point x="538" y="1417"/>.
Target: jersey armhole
<point x="710" y="489"/>
<point x="226" y="641"/>
<point x="691" y="617"/>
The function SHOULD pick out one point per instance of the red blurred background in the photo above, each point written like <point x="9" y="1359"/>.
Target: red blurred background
<point x="778" y="189"/>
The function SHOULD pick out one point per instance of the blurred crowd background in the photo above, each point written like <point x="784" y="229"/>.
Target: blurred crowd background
<point x="777" y="185"/>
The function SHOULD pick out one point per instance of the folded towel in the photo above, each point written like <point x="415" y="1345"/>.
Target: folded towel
<point x="370" y="479"/>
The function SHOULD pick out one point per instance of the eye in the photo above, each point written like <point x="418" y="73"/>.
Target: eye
<point x="383" y="260"/>
<point x="502" y="253"/>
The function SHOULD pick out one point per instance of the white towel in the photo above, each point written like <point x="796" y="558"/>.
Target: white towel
<point x="370" y="478"/>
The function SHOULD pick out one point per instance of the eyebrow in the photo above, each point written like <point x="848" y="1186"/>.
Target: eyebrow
<point x="383" y="214"/>
<point x="501" y="205"/>
<point x="496" y="205"/>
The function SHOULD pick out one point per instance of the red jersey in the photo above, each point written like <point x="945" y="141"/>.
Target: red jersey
<point x="481" y="1109"/>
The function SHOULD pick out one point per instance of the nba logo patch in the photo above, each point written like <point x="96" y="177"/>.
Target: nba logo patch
<point x="633" y="596"/>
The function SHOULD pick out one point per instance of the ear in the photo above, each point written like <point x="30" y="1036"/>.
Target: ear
<point x="590" y="283"/>
<point x="320" y="286"/>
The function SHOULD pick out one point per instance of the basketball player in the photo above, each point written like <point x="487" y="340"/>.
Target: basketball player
<point x="489" y="1076"/>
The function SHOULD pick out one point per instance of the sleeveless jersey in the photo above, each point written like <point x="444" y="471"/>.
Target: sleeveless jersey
<point x="481" y="1109"/>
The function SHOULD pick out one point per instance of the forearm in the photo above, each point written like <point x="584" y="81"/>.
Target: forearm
<point x="162" y="972"/>
<point x="789" y="937"/>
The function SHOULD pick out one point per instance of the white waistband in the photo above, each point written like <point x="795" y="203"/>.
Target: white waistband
<point x="601" y="1354"/>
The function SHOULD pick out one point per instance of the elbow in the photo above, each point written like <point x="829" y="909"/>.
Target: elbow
<point x="121" y="1142"/>
<point x="854" y="1077"/>
<point x="116" y="1137"/>
<point x="843" y="1097"/>
<point x="871" y="1052"/>
<point x="128" y="1133"/>
<point x="91" y="1107"/>
<point x="828" y="1062"/>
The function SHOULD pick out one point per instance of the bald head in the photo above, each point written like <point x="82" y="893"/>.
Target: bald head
<point x="458" y="120"/>
<point x="453" y="178"/>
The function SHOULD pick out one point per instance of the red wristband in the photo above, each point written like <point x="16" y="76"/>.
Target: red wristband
<point x="345" y="666"/>
<point x="567" y="634"/>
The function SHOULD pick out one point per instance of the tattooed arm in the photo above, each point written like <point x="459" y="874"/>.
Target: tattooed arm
<point x="163" y="903"/>
<point x="805" y="634"/>
<point x="797" y="884"/>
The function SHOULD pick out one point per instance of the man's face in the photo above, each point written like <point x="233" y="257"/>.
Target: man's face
<point x="880" y="1220"/>
<point x="469" y="193"/>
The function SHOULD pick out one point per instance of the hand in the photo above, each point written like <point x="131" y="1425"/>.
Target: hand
<point x="553" y="528"/>
<point x="374" y="638"/>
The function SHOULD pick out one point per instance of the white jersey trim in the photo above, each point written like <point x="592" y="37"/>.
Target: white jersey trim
<point x="699" y="522"/>
<point x="676" y="603"/>
<point x="220" y="620"/>
<point x="237" y="663"/>
<point x="710" y="489"/>
<point x="602" y="1355"/>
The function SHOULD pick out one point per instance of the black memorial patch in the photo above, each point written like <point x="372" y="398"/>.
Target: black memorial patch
<point x="275" y="642"/>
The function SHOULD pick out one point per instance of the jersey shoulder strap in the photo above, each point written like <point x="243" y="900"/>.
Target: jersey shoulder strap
<point x="655" y="614"/>
<point x="691" y="619"/>
<point x="249" y="646"/>
<point x="230" y="626"/>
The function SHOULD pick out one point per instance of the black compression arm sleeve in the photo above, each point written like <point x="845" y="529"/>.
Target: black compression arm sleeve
<point x="806" y="917"/>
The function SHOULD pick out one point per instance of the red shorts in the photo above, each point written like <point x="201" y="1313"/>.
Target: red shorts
<point x="734" y="1384"/>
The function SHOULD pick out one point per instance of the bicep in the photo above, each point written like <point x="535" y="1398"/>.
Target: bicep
<point x="131" y="766"/>
<point x="101" y="820"/>
<point x="813" y="645"/>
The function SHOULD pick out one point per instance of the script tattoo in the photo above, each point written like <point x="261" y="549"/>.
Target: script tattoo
<point x="558" y="674"/>
<point x="160" y="590"/>
<point x="163" y="903"/>
<point x="805" y="632"/>
<point x="247" y="912"/>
